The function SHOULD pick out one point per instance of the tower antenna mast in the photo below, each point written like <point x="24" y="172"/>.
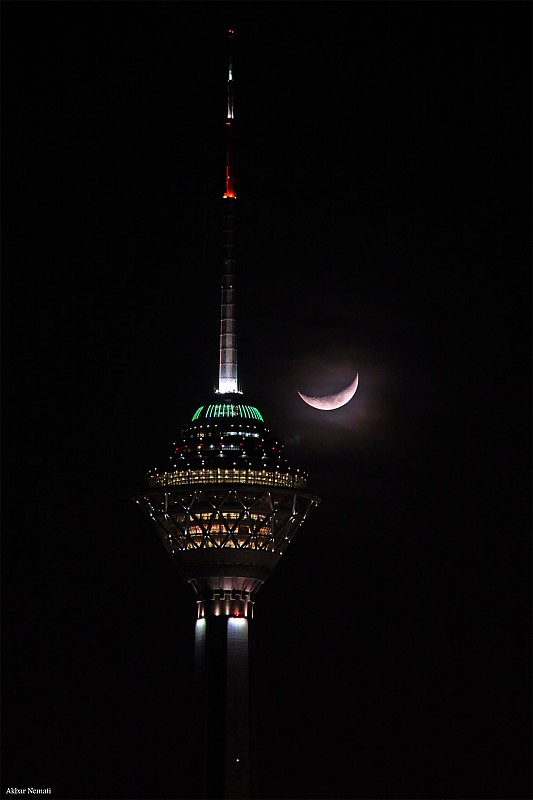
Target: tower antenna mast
<point x="227" y="375"/>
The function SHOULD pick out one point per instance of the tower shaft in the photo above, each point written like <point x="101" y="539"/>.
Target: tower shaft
<point x="222" y="673"/>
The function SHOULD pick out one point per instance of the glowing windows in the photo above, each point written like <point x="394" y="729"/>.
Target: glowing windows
<point x="229" y="475"/>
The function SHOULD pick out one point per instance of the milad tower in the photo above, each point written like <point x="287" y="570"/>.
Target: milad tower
<point x="226" y="506"/>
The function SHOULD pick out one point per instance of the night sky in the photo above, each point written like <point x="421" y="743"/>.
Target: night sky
<point x="383" y="176"/>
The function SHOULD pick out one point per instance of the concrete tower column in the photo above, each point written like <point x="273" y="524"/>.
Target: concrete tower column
<point x="222" y="673"/>
<point x="238" y="761"/>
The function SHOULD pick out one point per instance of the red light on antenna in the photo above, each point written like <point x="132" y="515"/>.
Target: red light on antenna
<point x="230" y="30"/>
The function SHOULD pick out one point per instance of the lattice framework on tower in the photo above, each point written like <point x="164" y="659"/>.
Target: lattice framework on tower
<point x="247" y="520"/>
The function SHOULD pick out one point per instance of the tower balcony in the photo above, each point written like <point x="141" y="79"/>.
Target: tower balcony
<point x="228" y="475"/>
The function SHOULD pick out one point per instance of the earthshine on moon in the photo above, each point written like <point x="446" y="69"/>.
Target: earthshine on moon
<point x="330" y="401"/>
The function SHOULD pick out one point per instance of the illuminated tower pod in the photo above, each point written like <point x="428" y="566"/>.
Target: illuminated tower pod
<point x="226" y="506"/>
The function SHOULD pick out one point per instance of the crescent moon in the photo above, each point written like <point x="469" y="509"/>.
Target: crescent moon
<point x="330" y="401"/>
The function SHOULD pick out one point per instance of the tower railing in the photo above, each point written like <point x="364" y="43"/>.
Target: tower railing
<point x="254" y="477"/>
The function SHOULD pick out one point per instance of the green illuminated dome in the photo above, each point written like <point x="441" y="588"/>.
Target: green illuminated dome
<point x="227" y="441"/>
<point x="227" y="409"/>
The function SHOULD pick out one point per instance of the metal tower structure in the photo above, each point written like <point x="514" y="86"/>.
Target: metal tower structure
<point x="226" y="506"/>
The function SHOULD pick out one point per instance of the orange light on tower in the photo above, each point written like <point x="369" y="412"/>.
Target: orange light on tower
<point x="230" y="192"/>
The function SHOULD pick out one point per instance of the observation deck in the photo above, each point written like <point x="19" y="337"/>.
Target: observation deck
<point x="227" y="504"/>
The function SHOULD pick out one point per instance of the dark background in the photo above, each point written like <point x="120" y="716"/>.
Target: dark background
<point x="383" y="178"/>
